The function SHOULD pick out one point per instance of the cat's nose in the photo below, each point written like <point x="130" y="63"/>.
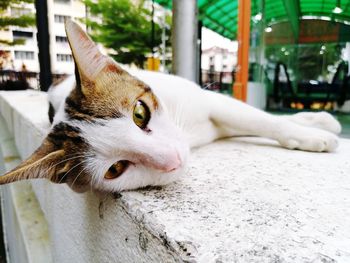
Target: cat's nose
<point x="174" y="164"/>
<point x="166" y="161"/>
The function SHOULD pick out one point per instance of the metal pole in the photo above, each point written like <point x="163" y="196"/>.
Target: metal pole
<point x="43" y="44"/>
<point x="185" y="39"/>
<point x="164" y="26"/>
<point x="152" y="32"/>
<point x="199" y="42"/>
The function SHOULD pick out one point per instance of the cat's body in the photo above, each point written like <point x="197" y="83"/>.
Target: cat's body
<point x="200" y="115"/>
<point x="113" y="132"/>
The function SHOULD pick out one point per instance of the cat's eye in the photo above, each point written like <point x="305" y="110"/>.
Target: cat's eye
<point x="141" y="114"/>
<point x="117" y="169"/>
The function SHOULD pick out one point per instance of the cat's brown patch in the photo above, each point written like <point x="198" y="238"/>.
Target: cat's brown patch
<point x="125" y="102"/>
<point x="68" y="138"/>
<point x="114" y="69"/>
<point x="64" y="132"/>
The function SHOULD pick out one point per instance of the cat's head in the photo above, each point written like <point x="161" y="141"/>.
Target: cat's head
<point x="111" y="134"/>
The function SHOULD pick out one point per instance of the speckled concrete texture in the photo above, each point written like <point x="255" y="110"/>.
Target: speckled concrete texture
<point x="248" y="200"/>
<point x="241" y="200"/>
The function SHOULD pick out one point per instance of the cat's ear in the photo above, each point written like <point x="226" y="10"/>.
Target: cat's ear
<point x="43" y="163"/>
<point x="89" y="60"/>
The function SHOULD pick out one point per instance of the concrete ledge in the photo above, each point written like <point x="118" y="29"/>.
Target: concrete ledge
<point x="24" y="225"/>
<point x="242" y="200"/>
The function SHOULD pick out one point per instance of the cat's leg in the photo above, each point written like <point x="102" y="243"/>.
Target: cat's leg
<point x="234" y="118"/>
<point x="322" y="120"/>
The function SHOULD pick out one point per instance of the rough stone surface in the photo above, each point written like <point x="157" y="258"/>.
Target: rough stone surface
<point x="241" y="200"/>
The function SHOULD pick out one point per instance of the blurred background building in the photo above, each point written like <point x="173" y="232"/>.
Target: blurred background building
<point x="26" y="55"/>
<point x="218" y="67"/>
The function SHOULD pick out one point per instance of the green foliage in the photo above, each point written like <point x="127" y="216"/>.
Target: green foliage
<point x="6" y="3"/>
<point x="124" y="26"/>
<point x="12" y="43"/>
<point x="24" y="20"/>
<point x="21" y="21"/>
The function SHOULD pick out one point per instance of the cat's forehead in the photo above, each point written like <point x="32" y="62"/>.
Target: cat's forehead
<point x="113" y="94"/>
<point x="125" y="89"/>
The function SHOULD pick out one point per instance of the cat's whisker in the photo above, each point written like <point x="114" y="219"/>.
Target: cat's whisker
<point x="179" y="115"/>
<point x="183" y="113"/>
<point x="78" y="175"/>
<point x="91" y="179"/>
<point x="70" y="170"/>
<point x="92" y="182"/>
<point x="209" y="85"/>
<point x="184" y="121"/>
<point x="62" y="161"/>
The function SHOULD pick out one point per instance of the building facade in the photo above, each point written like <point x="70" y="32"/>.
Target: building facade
<point x="218" y="65"/>
<point x="26" y="56"/>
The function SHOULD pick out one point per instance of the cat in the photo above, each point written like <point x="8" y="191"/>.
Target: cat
<point x="115" y="130"/>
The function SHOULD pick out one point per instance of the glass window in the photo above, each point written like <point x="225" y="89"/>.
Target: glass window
<point x="60" y="39"/>
<point x="21" y="34"/>
<point x="60" y="18"/>
<point x="62" y="1"/>
<point x="24" y="55"/>
<point x="64" y="57"/>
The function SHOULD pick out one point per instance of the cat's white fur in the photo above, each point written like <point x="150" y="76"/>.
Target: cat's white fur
<point x="189" y="117"/>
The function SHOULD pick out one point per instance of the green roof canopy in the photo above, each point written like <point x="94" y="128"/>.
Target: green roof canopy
<point x="221" y="15"/>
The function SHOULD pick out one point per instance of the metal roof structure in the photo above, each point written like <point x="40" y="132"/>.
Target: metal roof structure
<point x="221" y="15"/>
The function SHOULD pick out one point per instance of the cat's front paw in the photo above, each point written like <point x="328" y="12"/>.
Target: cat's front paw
<point x="310" y="139"/>
<point x="322" y="120"/>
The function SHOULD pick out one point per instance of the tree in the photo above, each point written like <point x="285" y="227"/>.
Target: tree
<point x="124" y="26"/>
<point x="21" y="20"/>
